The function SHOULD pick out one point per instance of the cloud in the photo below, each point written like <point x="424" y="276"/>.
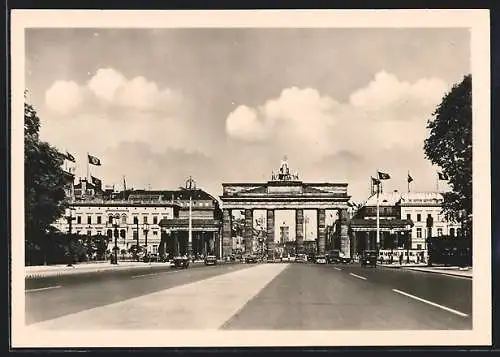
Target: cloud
<point x="113" y="87"/>
<point x="106" y="83"/>
<point x="386" y="94"/>
<point x="382" y="124"/>
<point x="63" y="96"/>
<point x="243" y="123"/>
<point x="382" y="114"/>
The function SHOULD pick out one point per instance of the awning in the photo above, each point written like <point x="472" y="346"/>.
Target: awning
<point x="197" y="225"/>
<point x="386" y="225"/>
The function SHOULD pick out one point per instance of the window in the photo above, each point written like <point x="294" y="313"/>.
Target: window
<point x="145" y="218"/>
<point x="419" y="217"/>
<point x="89" y="219"/>
<point x="135" y="234"/>
<point x="89" y="233"/>
<point x="155" y="220"/>
<point x="99" y="233"/>
<point x="408" y="216"/>
<point x="122" y="233"/>
<point x="155" y="249"/>
<point x="419" y="246"/>
<point x="155" y="233"/>
<point x="78" y="232"/>
<point x="452" y="232"/>
<point x="459" y="232"/>
<point x="136" y="220"/>
<point x="109" y="233"/>
<point x="99" y="219"/>
<point x="79" y="219"/>
<point x="110" y="219"/>
<point x="124" y="219"/>
<point x="419" y="232"/>
<point x="440" y="232"/>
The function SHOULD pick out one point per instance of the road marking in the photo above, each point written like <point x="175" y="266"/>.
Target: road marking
<point x="430" y="303"/>
<point x="357" y="276"/>
<point x="203" y="304"/>
<point x="42" y="289"/>
<point x="337" y="268"/>
<point x="153" y="274"/>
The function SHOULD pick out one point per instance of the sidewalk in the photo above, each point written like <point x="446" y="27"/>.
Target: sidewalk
<point x="452" y="271"/>
<point x="34" y="272"/>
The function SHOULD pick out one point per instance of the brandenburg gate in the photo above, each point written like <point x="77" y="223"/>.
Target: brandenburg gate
<point x="284" y="192"/>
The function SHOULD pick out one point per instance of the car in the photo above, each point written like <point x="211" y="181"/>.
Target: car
<point x="301" y="258"/>
<point x="311" y="258"/>
<point x="285" y="258"/>
<point x="180" y="262"/>
<point x="320" y="259"/>
<point x="369" y="258"/>
<point x="250" y="259"/>
<point x="210" y="260"/>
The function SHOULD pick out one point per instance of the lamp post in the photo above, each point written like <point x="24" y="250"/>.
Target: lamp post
<point x="146" y="230"/>
<point x="190" y="185"/>
<point x="69" y="217"/>
<point x="408" y="243"/>
<point x="116" y="222"/>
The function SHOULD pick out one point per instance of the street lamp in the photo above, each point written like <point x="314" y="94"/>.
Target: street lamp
<point x="408" y="242"/>
<point x="136" y="219"/>
<point x="68" y="214"/>
<point x="116" y="223"/>
<point x="146" y="230"/>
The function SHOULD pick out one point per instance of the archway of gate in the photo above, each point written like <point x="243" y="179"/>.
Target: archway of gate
<point x="309" y="206"/>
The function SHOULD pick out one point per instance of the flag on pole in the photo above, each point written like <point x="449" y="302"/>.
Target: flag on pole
<point x="70" y="157"/>
<point x="94" y="160"/>
<point x="443" y="176"/>
<point x="96" y="181"/>
<point x="375" y="181"/>
<point x="383" y="176"/>
<point x="410" y="179"/>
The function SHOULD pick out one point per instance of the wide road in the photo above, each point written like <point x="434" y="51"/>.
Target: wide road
<point x="258" y="296"/>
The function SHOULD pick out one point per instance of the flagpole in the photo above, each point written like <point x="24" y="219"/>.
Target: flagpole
<point x="378" y="213"/>
<point x="88" y="166"/>
<point x="408" y="179"/>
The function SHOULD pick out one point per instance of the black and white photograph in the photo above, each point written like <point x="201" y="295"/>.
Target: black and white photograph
<point x="250" y="178"/>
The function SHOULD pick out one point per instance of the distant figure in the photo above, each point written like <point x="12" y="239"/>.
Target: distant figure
<point x="401" y="259"/>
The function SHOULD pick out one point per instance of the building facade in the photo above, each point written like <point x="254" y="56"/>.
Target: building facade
<point x="419" y="207"/>
<point x="406" y="220"/>
<point x="144" y="215"/>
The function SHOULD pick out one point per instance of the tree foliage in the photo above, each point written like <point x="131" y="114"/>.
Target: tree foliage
<point x="44" y="179"/>
<point x="449" y="146"/>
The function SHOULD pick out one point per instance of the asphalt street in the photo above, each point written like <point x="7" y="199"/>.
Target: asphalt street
<point x="54" y="297"/>
<point x="256" y="296"/>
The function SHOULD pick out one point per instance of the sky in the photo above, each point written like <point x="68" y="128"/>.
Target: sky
<point x="226" y="105"/>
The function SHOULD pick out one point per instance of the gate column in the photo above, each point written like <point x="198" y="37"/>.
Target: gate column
<point x="270" y="233"/>
<point x="321" y="231"/>
<point x="226" y="233"/>
<point x="345" y="244"/>
<point x="248" y="232"/>
<point x="299" y="230"/>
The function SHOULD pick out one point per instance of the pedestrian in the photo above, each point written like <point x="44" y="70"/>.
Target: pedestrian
<point x="401" y="259"/>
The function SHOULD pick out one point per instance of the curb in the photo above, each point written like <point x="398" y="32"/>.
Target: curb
<point x="441" y="273"/>
<point x="70" y="271"/>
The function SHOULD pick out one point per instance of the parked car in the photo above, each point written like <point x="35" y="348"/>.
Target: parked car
<point x="320" y="259"/>
<point x="210" y="260"/>
<point x="369" y="258"/>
